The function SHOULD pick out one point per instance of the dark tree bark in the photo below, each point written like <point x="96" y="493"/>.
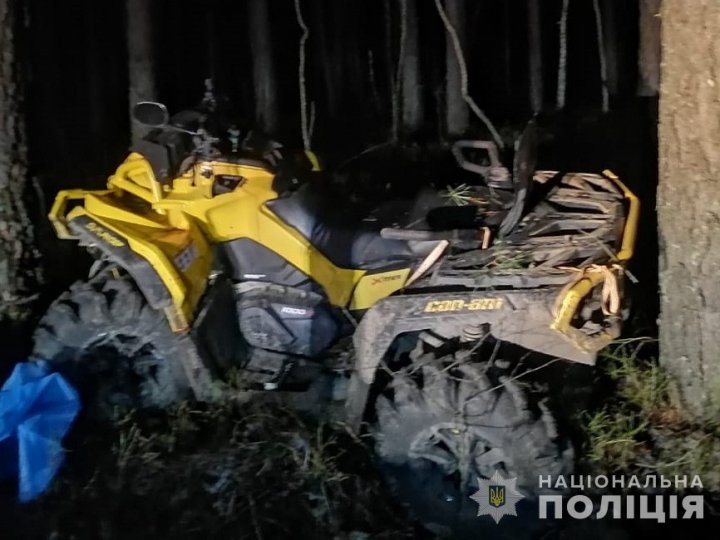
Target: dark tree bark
<point x="412" y="102"/>
<point x="305" y="120"/>
<point x="507" y="49"/>
<point x="324" y="61"/>
<point x="19" y="274"/>
<point x="349" y="59"/>
<point x="535" y="55"/>
<point x="392" y="80"/>
<point x="140" y="58"/>
<point x="562" y="56"/>
<point x="211" y="25"/>
<point x="611" y="44"/>
<point x="93" y="59"/>
<point x="649" y="49"/>
<point x="600" y="33"/>
<point x="456" y="110"/>
<point x="266" y="113"/>
<point x="689" y="201"/>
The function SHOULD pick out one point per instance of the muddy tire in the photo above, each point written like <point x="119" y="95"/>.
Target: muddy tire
<point x="440" y="429"/>
<point x="118" y="351"/>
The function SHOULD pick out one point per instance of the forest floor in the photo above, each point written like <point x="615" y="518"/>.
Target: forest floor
<point x="212" y="471"/>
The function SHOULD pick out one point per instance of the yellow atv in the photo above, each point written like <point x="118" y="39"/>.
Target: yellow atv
<point x="216" y="256"/>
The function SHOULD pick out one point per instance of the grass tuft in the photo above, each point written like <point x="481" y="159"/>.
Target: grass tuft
<point x="613" y="439"/>
<point x="644" y="429"/>
<point x="462" y="195"/>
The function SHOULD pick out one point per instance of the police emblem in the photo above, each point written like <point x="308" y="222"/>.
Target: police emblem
<point x="497" y="497"/>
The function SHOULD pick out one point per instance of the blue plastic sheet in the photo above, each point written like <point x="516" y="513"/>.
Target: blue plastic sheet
<point x="37" y="409"/>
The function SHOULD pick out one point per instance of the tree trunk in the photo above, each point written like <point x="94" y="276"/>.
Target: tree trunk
<point x="688" y="201"/>
<point x="93" y="59"/>
<point x="18" y="258"/>
<point x="507" y="50"/>
<point x="600" y="33"/>
<point x="323" y="58"/>
<point x="140" y="58"/>
<point x="266" y="114"/>
<point x="456" y="110"/>
<point x="412" y="102"/>
<point x="649" y="49"/>
<point x="611" y="44"/>
<point x="305" y="128"/>
<point x="347" y="49"/>
<point x="562" y="56"/>
<point x="211" y="26"/>
<point x="390" y="70"/>
<point x="535" y="55"/>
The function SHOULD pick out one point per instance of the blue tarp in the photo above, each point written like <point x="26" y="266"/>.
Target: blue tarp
<point x="36" y="410"/>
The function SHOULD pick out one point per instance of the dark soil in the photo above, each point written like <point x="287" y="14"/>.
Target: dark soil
<point x="221" y="471"/>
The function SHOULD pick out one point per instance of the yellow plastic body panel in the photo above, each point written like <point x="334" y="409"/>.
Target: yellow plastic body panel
<point x="59" y="210"/>
<point x="181" y="258"/>
<point x="159" y="221"/>
<point x="243" y="214"/>
<point x="374" y="287"/>
<point x="135" y="175"/>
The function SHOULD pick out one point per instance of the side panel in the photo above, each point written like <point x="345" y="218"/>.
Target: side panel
<point x="242" y="214"/>
<point x="520" y="317"/>
<point x="165" y="262"/>
<point x="374" y="287"/>
<point x="215" y="331"/>
<point x="244" y="217"/>
<point x="250" y="261"/>
<point x="284" y="320"/>
<point x="116" y="249"/>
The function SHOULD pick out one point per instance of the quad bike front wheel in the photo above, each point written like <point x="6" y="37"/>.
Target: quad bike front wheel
<point x="443" y="425"/>
<point x="118" y="351"/>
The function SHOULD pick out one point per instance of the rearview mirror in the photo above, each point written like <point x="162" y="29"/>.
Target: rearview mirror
<point x="151" y="114"/>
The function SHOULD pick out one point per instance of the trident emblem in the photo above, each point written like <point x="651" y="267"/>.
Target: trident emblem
<point x="497" y="496"/>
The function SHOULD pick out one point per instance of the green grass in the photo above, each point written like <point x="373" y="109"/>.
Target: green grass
<point x="644" y="385"/>
<point x="613" y="439"/>
<point x="461" y="195"/>
<point x="643" y="429"/>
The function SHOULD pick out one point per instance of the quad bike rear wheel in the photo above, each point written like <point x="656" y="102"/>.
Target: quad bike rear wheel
<point x="118" y="351"/>
<point x="442" y="425"/>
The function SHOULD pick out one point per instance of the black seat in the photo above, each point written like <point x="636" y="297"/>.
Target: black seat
<point x="328" y="224"/>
